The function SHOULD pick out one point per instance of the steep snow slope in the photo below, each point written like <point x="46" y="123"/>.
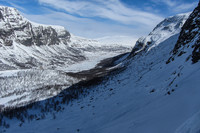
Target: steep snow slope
<point x="149" y="96"/>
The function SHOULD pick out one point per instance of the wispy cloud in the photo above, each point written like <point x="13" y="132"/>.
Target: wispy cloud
<point x="88" y="27"/>
<point x="16" y="6"/>
<point x="177" y="6"/>
<point x="185" y="7"/>
<point x="169" y="3"/>
<point x="107" y="9"/>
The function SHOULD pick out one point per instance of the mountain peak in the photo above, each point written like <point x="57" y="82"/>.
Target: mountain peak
<point x="165" y="29"/>
<point x="16" y="28"/>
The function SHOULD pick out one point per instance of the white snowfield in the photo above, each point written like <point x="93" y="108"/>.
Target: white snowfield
<point x="150" y="96"/>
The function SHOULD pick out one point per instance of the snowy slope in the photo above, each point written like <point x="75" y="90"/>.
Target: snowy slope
<point x="149" y="96"/>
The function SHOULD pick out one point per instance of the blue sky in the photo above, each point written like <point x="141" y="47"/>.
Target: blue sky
<point x="99" y="18"/>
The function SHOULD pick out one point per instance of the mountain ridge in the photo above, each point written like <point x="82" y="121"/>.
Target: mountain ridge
<point x="13" y="25"/>
<point x="168" y="27"/>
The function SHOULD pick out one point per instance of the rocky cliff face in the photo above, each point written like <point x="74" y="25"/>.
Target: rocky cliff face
<point x="15" y="27"/>
<point x="189" y="39"/>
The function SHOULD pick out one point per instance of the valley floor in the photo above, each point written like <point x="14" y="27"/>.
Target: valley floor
<point x="21" y="86"/>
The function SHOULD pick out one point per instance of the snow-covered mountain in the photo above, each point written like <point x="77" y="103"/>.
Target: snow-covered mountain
<point x="35" y="58"/>
<point x="149" y="92"/>
<point x="26" y="44"/>
<point x="164" y="30"/>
